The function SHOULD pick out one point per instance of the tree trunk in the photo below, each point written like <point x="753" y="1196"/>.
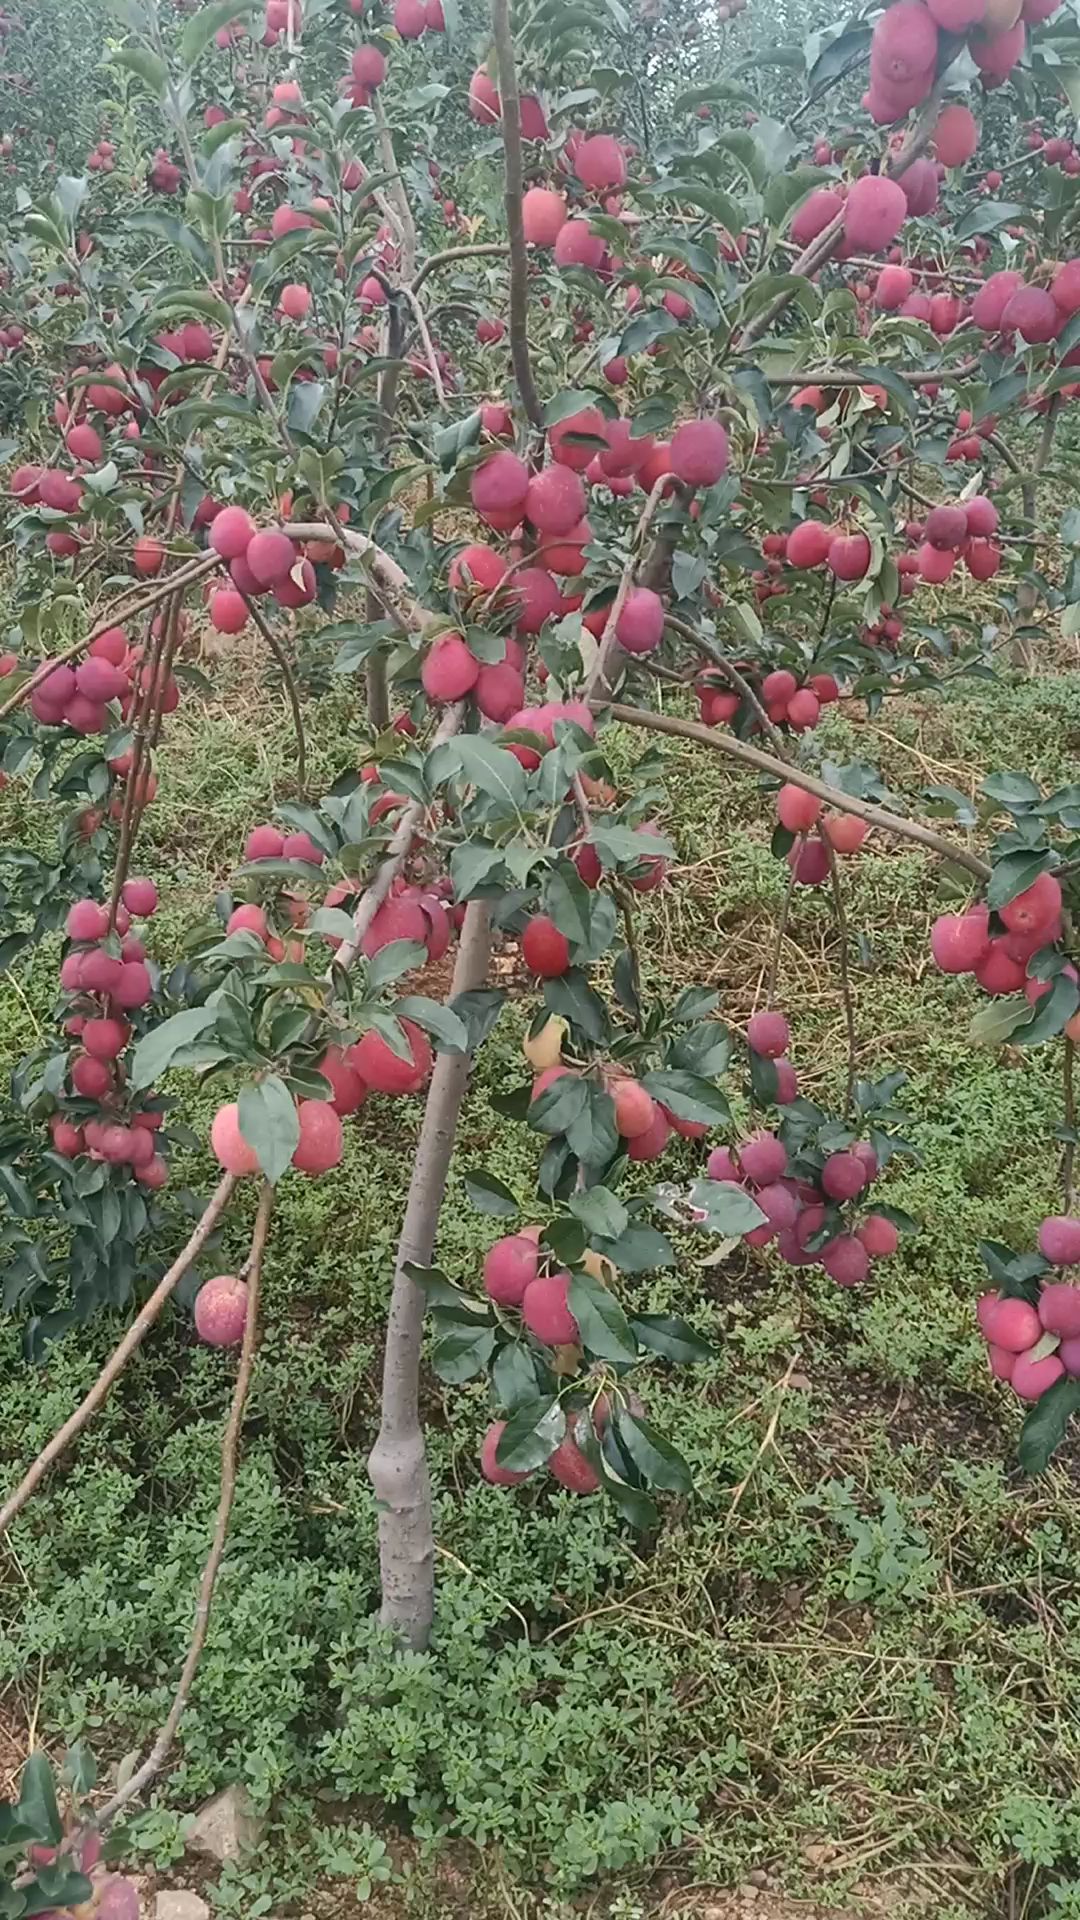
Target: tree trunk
<point x="397" y="1463"/>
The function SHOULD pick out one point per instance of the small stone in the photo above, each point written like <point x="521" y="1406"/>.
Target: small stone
<point x="174" y="1904"/>
<point x="757" y="1877"/>
<point x="227" y="1827"/>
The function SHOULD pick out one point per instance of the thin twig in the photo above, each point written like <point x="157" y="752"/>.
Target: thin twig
<point x="120" y="1355"/>
<point x="844" y="967"/>
<point x="519" y="259"/>
<point x="1068" y="1159"/>
<point x="154" y="673"/>
<point x="287" y="675"/>
<point x="402" y="209"/>
<point x="449" y="254"/>
<point x="778" y="942"/>
<point x="426" y="340"/>
<point x="230" y="1441"/>
<point x="731" y="673"/>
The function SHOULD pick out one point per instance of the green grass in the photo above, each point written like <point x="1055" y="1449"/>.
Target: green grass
<point x="851" y="1658"/>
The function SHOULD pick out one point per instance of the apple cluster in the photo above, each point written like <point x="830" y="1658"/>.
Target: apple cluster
<point x="105" y="978"/>
<point x="1033" y="1346"/>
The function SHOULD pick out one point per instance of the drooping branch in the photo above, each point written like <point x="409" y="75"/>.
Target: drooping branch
<point x="148" y="708"/>
<point x="396" y="853"/>
<point x="428" y="345"/>
<point x="733" y="676"/>
<point x="1068" y="1158"/>
<point x="119" y="614"/>
<point x="289" y="679"/>
<point x="844" y="968"/>
<point x="397" y="1463"/>
<point x="820" y="250"/>
<point x="120" y="1355"/>
<point x="482" y="249"/>
<point x="762" y="762"/>
<point x="519" y="259"/>
<point x="230" y="1442"/>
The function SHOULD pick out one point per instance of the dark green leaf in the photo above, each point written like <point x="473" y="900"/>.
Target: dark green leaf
<point x="518" y="1375"/>
<point x="729" y="1210"/>
<point x="1044" y="1427"/>
<point x="208" y="21"/>
<point x="671" y="1336"/>
<point x="37" y="1808"/>
<point x="531" y="1435"/>
<point x="605" y="1330"/>
<point x="460" y="1353"/>
<point x="985" y="216"/>
<point x="600" y="1212"/>
<point x="156" y="1050"/>
<point x="489" y="1194"/>
<point x="1013" y="874"/>
<point x="688" y="1096"/>
<point x="446" y="1028"/>
<point x="270" y="1124"/>
<point x="658" y="1462"/>
<point x="572" y="997"/>
<point x="639" y="1249"/>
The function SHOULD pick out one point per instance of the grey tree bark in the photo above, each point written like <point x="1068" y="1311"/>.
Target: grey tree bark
<point x="397" y="1463"/>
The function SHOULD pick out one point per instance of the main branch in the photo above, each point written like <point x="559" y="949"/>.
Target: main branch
<point x="230" y="1443"/>
<point x="120" y="1355"/>
<point x="519" y="259"/>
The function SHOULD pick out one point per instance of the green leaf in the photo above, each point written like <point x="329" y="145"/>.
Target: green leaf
<point x="489" y="1194"/>
<point x="1051" y="1013"/>
<point x="645" y="329"/>
<point x="560" y="1104"/>
<point x="995" y="1023"/>
<point x="518" y="1375"/>
<point x="479" y="1009"/>
<point x="713" y="200"/>
<point x="1016" y="791"/>
<point x="1013" y="874"/>
<point x="479" y="764"/>
<point x="208" y="21"/>
<point x="827" y="62"/>
<point x="37" y="1808"/>
<point x="460" y="1353"/>
<point x="786" y="191"/>
<point x="605" y="1330"/>
<point x="1044" y="1428"/>
<point x="572" y="997"/>
<point x="639" y="1249"/>
<point x="391" y="961"/>
<point x="157" y="1049"/>
<point x="150" y="70"/>
<point x="600" y="1211"/>
<point x="728" y="1209"/>
<point x="985" y="216"/>
<point x="531" y="1435"/>
<point x="688" y="1096"/>
<point x="657" y="1461"/>
<point x="671" y="1336"/>
<point x="438" y="1291"/>
<point x="270" y="1124"/>
<point x="569" y="400"/>
<point x="593" y="1138"/>
<point x="446" y="1028"/>
<point x="584" y="914"/>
